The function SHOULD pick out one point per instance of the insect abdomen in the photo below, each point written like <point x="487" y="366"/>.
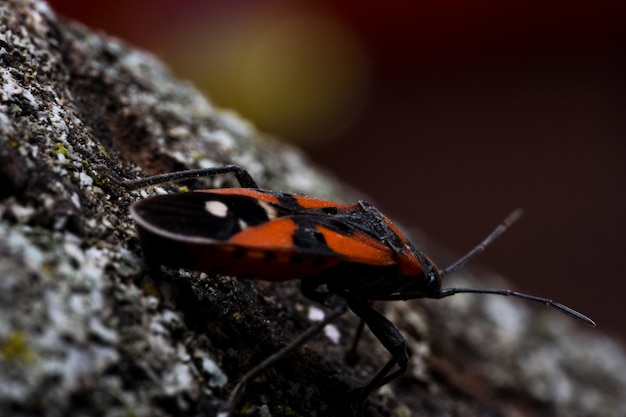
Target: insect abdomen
<point x="229" y="259"/>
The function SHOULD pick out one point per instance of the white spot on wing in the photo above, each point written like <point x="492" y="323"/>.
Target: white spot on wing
<point x="216" y="208"/>
<point x="269" y="209"/>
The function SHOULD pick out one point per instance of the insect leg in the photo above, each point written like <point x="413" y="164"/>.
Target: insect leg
<point x="351" y="355"/>
<point x="391" y="339"/>
<point x="309" y="286"/>
<point x="309" y="289"/>
<point x="235" y="394"/>
<point x="244" y="178"/>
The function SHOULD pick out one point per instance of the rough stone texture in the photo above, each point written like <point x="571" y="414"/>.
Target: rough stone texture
<point x="86" y="329"/>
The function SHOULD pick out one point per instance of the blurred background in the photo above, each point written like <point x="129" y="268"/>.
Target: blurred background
<point x="448" y="114"/>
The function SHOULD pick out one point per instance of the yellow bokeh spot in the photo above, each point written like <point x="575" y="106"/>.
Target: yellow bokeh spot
<point x="301" y="75"/>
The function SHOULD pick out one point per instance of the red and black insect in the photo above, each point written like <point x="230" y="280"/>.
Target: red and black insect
<point x="352" y="250"/>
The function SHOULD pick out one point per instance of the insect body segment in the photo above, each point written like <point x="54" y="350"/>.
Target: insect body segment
<point x="351" y="250"/>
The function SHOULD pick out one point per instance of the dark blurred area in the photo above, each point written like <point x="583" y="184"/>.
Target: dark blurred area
<point x="448" y="114"/>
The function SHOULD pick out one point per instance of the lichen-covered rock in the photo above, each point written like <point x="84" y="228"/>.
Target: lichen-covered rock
<point x="87" y="329"/>
<point x="82" y="330"/>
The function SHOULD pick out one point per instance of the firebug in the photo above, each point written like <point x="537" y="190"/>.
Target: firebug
<point x="347" y="252"/>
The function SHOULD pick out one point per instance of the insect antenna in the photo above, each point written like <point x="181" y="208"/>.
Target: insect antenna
<point x="501" y="228"/>
<point x="446" y="292"/>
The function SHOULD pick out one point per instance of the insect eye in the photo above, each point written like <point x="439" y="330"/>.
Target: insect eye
<point x="432" y="283"/>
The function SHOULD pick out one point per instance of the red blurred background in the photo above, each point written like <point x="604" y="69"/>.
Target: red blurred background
<point x="448" y="114"/>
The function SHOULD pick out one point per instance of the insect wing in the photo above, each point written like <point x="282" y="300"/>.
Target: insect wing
<point x="261" y="234"/>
